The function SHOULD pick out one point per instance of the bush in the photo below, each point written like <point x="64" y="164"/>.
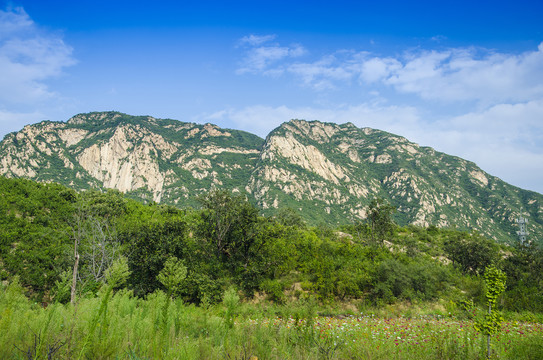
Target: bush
<point x="275" y="290"/>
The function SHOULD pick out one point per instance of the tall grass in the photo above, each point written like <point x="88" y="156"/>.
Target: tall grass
<point x="121" y="326"/>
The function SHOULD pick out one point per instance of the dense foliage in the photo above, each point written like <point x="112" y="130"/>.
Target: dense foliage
<point x="148" y="275"/>
<point x="227" y="243"/>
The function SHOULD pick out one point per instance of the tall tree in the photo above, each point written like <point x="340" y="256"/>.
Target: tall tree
<point x="379" y="220"/>
<point x="472" y="253"/>
<point x="229" y="225"/>
<point x="230" y="228"/>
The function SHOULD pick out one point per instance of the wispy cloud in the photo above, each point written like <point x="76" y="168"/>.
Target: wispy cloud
<point x="261" y="53"/>
<point x="322" y="74"/>
<point x="255" y="40"/>
<point x="28" y="57"/>
<point x="469" y="74"/>
<point x="456" y="74"/>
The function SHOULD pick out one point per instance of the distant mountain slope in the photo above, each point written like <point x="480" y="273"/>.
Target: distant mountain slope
<point x="148" y="158"/>
<point x="328" y="172"/>
<point x="332" y="171"/>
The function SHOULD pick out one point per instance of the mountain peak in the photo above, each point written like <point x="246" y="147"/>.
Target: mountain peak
<point x="93" y="117"/>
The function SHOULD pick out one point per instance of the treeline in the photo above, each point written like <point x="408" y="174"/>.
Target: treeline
<point x="226" y="243"/>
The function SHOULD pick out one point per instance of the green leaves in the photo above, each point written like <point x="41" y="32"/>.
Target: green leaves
<point x="172" y="275"/>
<point x="150" y="245"/>
<point x="231" y="302"/>
<point x="379" y="219"/>
<point x="471" y="252"/>
<point x="117" y="273"/>
<point x="495" y="284"/>
<point x="490" y="324"/>
<point x="492" y="321"/>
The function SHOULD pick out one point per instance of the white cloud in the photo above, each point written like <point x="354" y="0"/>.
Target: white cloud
<point x="461" y="75"/>
<point x="255" y="40"/>
<point x="322" y="74"/>
<point x="467" y="74"/>
<point x="453" y="75"/>
<point x="512" y="123"/>
<point x="259" y="57"/>
<point x="28" y="57"/>
<point x="11" y="22"/>
<point x="375" y="69"/>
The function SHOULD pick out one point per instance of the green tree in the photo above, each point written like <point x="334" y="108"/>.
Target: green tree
<point x="230" y="226"/>
<point x="495" y="285"/>
<point x="472" y="253"/>
<point x="524" y="269"/>
<point x="379" y="220"/>
<point x="289" y="217"/>
<point x="229" y="223"/>
<point x="219" y="220"/>
<point x="34" y="233"/>
<point x="149" y="246"/>
<point x="172" y="275"/>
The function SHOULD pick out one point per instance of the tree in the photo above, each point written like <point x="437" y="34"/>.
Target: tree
<point x="524" y="269"/>
<point x="229" y="225"/>
<point x="495" y="285"/>
<point x="379" y="220"/>
<point x="471" y="252"/>
<point x="149" y="246"/>
<point x="96" y="247"/>
<point x="230" y="228"/>
<point x="172" y="275"/>
<point x="289" y="217"/>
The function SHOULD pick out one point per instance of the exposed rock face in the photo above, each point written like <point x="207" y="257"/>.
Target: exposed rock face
<point x="127" y="161"/>
<point x="308" y="157"/>
<point x="328" y="172"/>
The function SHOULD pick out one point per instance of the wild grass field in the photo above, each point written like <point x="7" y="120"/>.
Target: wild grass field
<point x="121" y="326"/>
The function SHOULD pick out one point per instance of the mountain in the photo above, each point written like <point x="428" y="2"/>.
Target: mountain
<point x="328" y="172"/>
<point x="147" y="158"/>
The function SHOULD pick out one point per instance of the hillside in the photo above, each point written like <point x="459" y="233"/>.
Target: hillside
<point x="327" y="172"/>
<point x="150" y="159"/>
<point x="332" y="171"/>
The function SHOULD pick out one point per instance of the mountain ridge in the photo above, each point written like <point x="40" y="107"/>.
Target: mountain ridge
<point x="328" y="172"/>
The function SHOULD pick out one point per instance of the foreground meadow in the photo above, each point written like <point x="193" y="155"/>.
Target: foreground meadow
<point x="122" y="326"/>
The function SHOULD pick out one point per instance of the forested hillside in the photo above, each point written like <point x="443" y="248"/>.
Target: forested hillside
<point x="226" y="242"/>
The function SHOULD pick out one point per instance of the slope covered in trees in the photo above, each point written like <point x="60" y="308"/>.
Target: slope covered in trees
<point x="226" y="242"/>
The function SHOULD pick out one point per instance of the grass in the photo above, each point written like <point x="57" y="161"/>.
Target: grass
<point x="133" y="328"/>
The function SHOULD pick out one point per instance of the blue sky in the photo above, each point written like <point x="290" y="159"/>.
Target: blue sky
<point x="465" y="78"/>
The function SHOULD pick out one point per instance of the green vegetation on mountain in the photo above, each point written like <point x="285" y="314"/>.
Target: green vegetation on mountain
<point x="325" y="172"/>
